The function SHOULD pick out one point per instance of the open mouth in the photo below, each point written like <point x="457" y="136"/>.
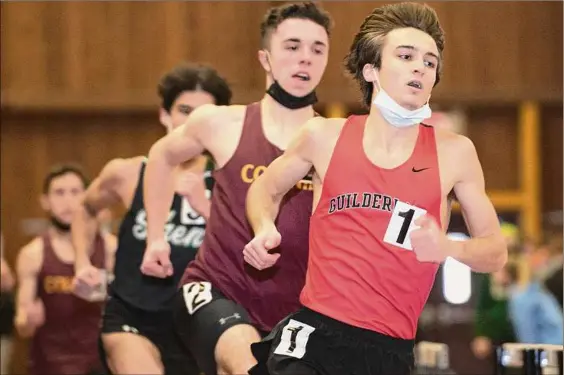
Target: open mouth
<point x="302" y="76"/>
<point x="415" y="84"/>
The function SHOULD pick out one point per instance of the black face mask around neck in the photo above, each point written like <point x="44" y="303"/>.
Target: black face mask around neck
<point x="59" y="225"/>
<point x="288" y="100"/>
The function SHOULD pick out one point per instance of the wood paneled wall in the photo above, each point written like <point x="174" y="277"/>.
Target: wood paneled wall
<point x="552" y="166"/>
<point x="99" y="54"/>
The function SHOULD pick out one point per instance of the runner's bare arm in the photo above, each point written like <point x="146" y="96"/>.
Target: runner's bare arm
<point x="184" y="143"/>
<point x="28" y="265"/>
<point x="266" y="192"/>
<point x="487" y="250"/>
<point x="102" y="193"/>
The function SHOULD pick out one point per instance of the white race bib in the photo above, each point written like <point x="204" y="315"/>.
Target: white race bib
<point x="196" y="295"/>
<point x="402" y="224"/>
<point x="189" y="216"/>
<point x="294" y="339"/>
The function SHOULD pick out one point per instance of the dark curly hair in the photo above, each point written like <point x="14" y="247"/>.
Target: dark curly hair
<point x="191" y="77"/>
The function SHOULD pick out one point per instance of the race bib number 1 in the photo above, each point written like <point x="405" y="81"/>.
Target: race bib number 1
<point x="402" y="224"/>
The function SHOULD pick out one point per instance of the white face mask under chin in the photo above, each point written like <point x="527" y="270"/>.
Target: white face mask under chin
<point x="397" y="115"/>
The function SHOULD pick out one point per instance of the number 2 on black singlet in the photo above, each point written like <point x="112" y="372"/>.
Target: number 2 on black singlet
<point x="407" y="218"/>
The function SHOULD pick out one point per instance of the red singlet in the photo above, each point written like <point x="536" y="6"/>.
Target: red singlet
<point x="354" y="274"/>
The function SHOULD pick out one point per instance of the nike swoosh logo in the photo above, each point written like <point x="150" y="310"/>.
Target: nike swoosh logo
<point x="417" y="170"/>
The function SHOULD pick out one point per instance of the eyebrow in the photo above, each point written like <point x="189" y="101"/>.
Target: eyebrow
<point x="185" y="106"/>
<point x="416" y="49"/>
<point x="296" y="40"/>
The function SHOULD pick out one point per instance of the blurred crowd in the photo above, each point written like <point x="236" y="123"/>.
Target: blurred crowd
<point x="522" y="302"/>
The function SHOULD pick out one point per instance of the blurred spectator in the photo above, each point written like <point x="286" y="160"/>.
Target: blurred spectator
<point x="491" y="323"/>
<point x="536" y="308"/>
<point x="511" y="234"/>
<point x="550" y="264"/>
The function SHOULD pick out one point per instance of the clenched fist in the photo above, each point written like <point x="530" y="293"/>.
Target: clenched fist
<point x="28" y="319"/>
<point x="88" y="282"/>
<point x="191" y="185"/>
<point x="256" y="252"/>
<point x="156" y="261"/>
<point x="429" y="243"/>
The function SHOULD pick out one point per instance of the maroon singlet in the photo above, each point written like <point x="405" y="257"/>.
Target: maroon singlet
<point x="68" y="341"/>
<point x="268" y="295"/>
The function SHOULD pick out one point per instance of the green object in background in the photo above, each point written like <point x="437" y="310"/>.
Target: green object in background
<point x="492" y="315"/>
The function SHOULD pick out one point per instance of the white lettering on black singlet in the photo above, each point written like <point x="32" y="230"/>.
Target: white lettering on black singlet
<point x="188" y="233"/>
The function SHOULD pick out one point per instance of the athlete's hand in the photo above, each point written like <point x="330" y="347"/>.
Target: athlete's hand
<point x="28" y="319"/>
<point x="156" y="261"/>
<point x="256" y="252"/>
<point x="428" y="241"/>
<point x="191" y="185"/>
<point x="87" y="275"/>
<point x="87" y="279"/>
<point x="36" y="313"/>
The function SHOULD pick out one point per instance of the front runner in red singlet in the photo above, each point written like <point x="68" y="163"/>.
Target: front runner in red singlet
<point x="381" y="208"/>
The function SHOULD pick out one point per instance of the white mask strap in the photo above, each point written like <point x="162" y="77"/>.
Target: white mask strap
<point x="376" y="81"/>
